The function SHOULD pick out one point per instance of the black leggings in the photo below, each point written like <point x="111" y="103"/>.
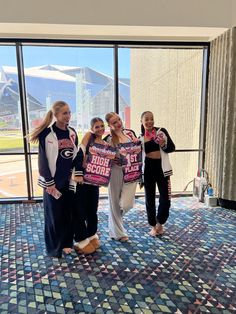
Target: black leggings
<point x="153" y="175"/>
<point x="85" y="217"/>
<point x="58" y="228"/>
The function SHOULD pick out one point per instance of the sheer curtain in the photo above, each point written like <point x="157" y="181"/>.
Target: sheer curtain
<point x="220" y="156"/>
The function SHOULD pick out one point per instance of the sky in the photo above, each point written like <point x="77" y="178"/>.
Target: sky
<point x="99" y="59"/>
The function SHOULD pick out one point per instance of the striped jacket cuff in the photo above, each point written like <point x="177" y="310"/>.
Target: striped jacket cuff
<point x="45" y="184"/>
<point x="78" y="173"/>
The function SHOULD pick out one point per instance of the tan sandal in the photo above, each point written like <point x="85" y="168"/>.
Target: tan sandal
<point x="87" y="249"/>
<point x="95" y="243"/>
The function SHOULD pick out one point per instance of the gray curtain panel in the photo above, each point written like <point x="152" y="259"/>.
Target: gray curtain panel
<point x="220" y="156"/>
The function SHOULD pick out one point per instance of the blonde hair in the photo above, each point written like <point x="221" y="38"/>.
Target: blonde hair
<point x="56" y="107"/>
<point x="114" y="137"/>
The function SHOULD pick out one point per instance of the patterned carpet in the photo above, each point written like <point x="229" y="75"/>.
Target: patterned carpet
<point x="191" y="269"/>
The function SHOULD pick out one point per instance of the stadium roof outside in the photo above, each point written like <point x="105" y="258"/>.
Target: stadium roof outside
<point x="52" y="82"/>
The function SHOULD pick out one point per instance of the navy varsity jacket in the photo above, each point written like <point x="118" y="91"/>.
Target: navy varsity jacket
<point x="56" y="153"/>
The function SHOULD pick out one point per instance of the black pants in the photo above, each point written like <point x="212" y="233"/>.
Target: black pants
<point x="58" y="228"/>
<point x="85" y="212"/>
<point x="153" y="175"/>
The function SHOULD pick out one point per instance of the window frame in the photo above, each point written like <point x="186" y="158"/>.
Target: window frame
<point x="19" y="43"/>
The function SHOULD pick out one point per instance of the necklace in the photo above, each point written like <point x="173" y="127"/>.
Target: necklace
<point x="150" y="135"/>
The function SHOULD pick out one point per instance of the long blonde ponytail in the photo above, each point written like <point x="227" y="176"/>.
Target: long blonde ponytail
<point x="34" y="135"/>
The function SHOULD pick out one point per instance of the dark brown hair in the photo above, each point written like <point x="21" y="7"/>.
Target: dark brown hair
<point x="142" y="127"/>
<point x="92" y="122"/>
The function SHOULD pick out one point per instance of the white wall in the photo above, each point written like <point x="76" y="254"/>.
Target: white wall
<point x="153" y="13"/>
<point x="233" y="13"/>
<point x="202" y="13"/>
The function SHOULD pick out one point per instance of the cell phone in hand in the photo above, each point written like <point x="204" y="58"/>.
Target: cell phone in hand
<point x="56" y="194"/>
<point x="159" y="137"/>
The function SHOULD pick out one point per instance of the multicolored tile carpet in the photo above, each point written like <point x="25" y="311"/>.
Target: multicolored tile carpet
<point x="190" y="269"/>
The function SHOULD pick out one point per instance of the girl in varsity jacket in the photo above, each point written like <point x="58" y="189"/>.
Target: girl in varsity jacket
<point x="156" y="144"/>
<point x="57" y="148"/>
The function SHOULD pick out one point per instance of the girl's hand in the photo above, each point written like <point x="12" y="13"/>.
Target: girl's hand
<point x="135" y="140"/>
<point x="162" y="142"/>
<point x="161" y="139"/>
<point x="51" y="189"/>
<point x="79" y="179"/>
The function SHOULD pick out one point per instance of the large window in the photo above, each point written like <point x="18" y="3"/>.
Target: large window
<point x="12" y="161"/>
<point x="167" y="82"/>
<point x="81" y="76"/>
<point x="10" y="108"/>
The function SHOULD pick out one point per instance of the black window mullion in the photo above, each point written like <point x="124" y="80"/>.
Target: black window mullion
<point x="203" y="109"/>
<point x="24" y="119"/>
<point x="116" y="80"/>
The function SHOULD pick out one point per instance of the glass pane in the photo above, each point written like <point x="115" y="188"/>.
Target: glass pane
<point x="103" y="191"/>
<point x="37" y="190"/>
<point x="185" y="166"/>
<point x="83" y="77"/>
<point x="11" y="139"/>
<point x="124" y="87"/>
<point x="166" y="82"/>
<point x="181" y="176"/>
<point x="12" y="177"/>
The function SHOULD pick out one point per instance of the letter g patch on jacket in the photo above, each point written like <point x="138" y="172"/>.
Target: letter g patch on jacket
<point x="67" y="153"/>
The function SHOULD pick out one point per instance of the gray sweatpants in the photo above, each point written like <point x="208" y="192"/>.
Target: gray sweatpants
<point x="121" y="200"/>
